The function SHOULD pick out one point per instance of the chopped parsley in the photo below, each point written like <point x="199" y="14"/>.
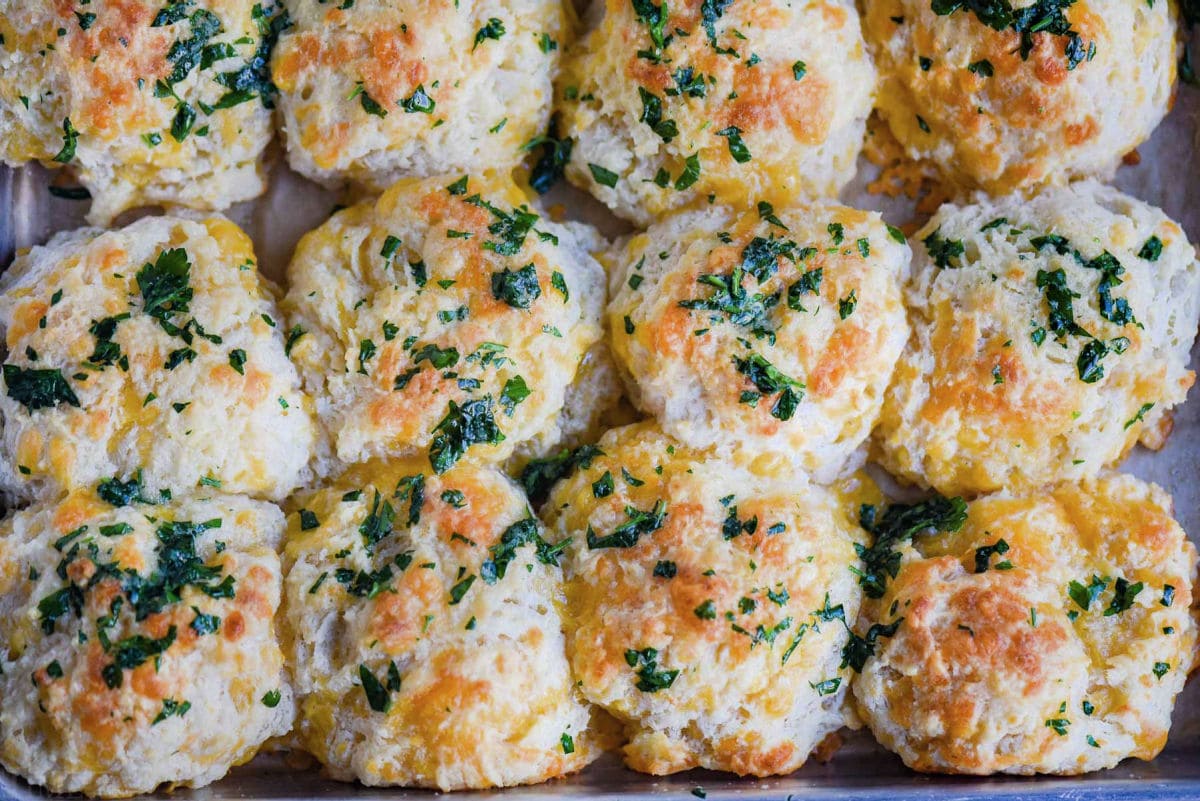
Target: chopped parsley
<point x="368" y="103"/>
<point x="494" y="29"/>
<point x="38" y="388"/>
<point x="665" y="569"/>
<point x="652" y="116"/>
<point x="472" y="423"/>
<point x="171" y="708"/>
<point x="984" y="554"/>
<point x="1151" y="249"/>
<point x="524" y="532"/>
<point x="858" y="650"/>
<point x="737" y="148"/>
<point x="983" y="68"/>
<point x="378" y="697"/>
<point x="1042" y="16"/>
<point x="627" y="534"/>
<point x="552" y="159"/>
<point x="419" y="102"/>
<point x="70" y="141"/>
<point x="944" y="252"/>
<point x="1083" y="596"/>
<point x="540" y="474"/>
<point x="650" y="677"/>
<point x="897" y="524"/>
<point x="603" y="176"/>
<point x="517" y="288"/>
<point x="1124" y="594"/>
<point x="768" y="381"/>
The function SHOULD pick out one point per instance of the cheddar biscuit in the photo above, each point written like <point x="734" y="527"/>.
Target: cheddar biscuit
<point x="447" y="319"/>
<point x="374" y="91"/>
<point x="1049" y="335"/>
<point x="1051" y="634"/>
<point x="770" y="335"/>
<point x="154" y="348"/>
<point x="140" y="645"/>
<point x="147" y="102"/>
<point x="424" y="632"/>
<point x="1003" y="96"/>
<point x="710" y="605"/>
<point x="668" y="103"/>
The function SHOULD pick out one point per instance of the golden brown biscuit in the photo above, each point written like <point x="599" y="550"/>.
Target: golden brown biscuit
<point x="148" y="102"/>
<point x="709" y="604"/>
<point x="139" y="639"/>
<point x="423" y="624"/>
<point x="1049" y="335"/>
<point x="666" y="103"/>
<point x="1005" y="95"/>
<point x="770" y="336"/>
<point x="157" y="349"/>
<point x="1051" y="634"/>
<point x="446" y="318"/>
<point x="377" y="90"/>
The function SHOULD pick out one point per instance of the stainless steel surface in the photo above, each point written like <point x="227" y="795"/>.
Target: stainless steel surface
<point x="1168" y="176"/>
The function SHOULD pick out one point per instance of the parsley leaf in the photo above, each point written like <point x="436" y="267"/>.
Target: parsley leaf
<point x="897" y="524"/>
<point x="540" y="475"/>
<point x="38" y="388"/>
<point x="463" y="426"/>
<point x="517" y="288"/>
<point x="70" y="141"/>
<point x="650" y="678"/>
<point x="628" y="533"/>
<point x="737" y="148"/>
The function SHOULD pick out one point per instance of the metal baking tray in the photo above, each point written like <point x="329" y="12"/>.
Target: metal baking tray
<point x="1168" y="176"/>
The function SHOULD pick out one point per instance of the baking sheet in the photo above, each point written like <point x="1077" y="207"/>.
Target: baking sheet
<point x="1167" y="176"/>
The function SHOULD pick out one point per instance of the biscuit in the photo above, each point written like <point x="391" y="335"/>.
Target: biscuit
<point x="1002" y="99"/>
<point x="447" y="318"/>
<point x="148" y="103"/>
<point x="1049" y="335"/>
<point x="154" y="349"/>
<point x="665" y="104"/>
<point x="710" y="605"/>
<point x="1051" y="634"/>
<point x="768" y="335"/>
<point x="424" y="632"/>
<point x="374" y="91"/>
<point x="140" y="644"/>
